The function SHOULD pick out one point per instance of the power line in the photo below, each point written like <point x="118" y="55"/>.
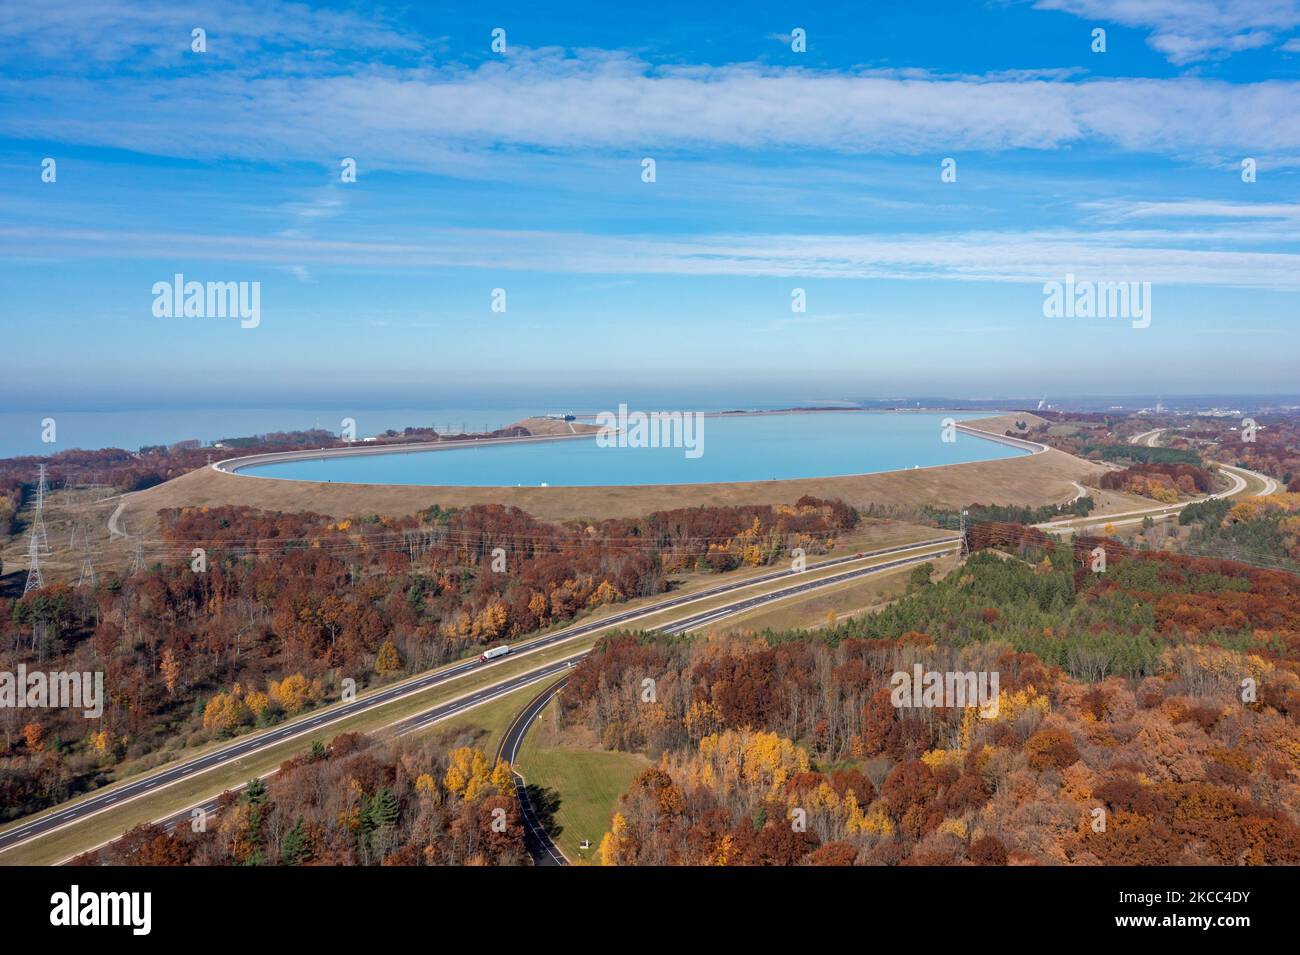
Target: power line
<point x="34" y="579"/>
<point x="38" y="520"/>
<point x="87" y="571"/>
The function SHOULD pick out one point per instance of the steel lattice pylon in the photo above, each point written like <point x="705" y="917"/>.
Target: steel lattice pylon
<point x="34" y="579"/>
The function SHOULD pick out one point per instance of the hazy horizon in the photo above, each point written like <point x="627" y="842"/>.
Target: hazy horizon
<point x="779" y="173"/>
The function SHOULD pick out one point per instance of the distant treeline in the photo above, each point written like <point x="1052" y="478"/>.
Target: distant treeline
<point x="1206" y="512"/>
<point x="153" y="464"/>
<point x="1009" y="513"/>
<point x="1141" y="454"/>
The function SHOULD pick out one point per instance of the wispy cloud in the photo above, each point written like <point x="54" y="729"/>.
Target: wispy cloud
<point x="81" y="36"/>
<point x="441" y="118"/>
<point x="1166" y="257"/>
<point x="1118" y="211"/>
<point x="1186" y="31"/>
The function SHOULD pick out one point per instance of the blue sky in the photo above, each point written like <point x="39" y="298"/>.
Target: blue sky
<point x="775" y="170"/>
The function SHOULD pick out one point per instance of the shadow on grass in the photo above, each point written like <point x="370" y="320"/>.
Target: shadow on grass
<point x="545" y="803"/>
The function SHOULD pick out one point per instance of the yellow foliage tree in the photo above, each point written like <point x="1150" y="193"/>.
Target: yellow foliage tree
<point x="426" y="787"/>
<point x="702" y="719"/>
<point x="387" y="660"/>
<point x="491" y="623"/>
<point x="608" y="850"/>
<point x="538" y="604"/>
<point x="503" y="780"/>
<point x="750" y="759"/>
<point x="225" y="711"/>
<point x="605" y="593"/>
<point x="256" y="701"/>
<point x="469" y="775"/>
<point x="294" y="692"/>
<point x="171" y="670"/>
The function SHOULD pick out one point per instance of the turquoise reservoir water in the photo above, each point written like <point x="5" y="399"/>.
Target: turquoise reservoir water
<point x="735" y="448"/>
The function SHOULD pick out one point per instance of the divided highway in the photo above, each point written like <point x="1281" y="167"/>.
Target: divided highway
<point x="146" y="785"/>
<point x="1238" y="476"/>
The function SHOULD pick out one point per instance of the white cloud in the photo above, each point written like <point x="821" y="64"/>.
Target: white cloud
<point x="454" y="118"/>
<point x="78" y="35"/>
<point x="1186" y="31"/>
<point x="1158" y="256"/>
<point x="1115" y="210"/>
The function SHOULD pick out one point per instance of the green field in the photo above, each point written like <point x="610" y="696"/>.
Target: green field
<point x="586" y="785"/>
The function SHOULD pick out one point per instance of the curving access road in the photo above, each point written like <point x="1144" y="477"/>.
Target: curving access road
<point x="541" y="847"/>
<point x="149" y="784"/>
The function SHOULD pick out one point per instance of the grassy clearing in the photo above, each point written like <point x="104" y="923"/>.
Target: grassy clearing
<point x="844" y="601"/>
<point x="111" y="823"/>
<point x="585" y="783"/>
<point x="484" y="725"/>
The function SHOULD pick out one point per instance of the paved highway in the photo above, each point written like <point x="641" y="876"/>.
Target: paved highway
<point x="540" y="845"/>
<point x="1237" y="475"/>
<point x="1147" y="438"/>
<point x="539" y="842"/>
<point x="246" y="746"/>
<point x="691" y="622"/>
<point x="110" y="798"/>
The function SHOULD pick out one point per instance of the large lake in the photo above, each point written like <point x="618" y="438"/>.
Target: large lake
<point x="735" y="448"/>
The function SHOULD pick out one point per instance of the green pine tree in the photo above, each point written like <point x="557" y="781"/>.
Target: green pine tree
<point x="255" y="792"/>
<point x="295" y="849"/>
<point x="384" y="809"/>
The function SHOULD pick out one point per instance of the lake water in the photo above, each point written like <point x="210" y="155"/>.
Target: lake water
<point x="735" y="448"/>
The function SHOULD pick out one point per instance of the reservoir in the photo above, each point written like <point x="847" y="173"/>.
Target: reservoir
<point x="734" y="448"/>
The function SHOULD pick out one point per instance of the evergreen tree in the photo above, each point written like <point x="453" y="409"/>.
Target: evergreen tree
<point x="296" y="848"/>
<point x="384" y="809"/>
<point x="255" y="792"/>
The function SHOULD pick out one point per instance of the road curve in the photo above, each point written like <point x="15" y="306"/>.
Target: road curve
<point x="1147" y="438"/>
<point x="1161" y="511"/>
<point x="509" y="685"/>
<point x="114" y="532"/>
<point x="541" y="847"/>
<point x="509" y="751"/>
<point x="114" y="796"/>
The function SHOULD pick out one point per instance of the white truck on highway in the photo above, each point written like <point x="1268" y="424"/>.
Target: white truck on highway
<point x="489" y="655"/>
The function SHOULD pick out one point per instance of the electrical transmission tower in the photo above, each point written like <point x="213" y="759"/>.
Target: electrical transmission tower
<point x="38" y="521"/>
<point x="34" y="579"/>
<point x="87" y="569"/>
<point x="137" y="560"/>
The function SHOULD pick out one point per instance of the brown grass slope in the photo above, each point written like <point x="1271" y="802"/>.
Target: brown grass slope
<point x="1036" y="479"/>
